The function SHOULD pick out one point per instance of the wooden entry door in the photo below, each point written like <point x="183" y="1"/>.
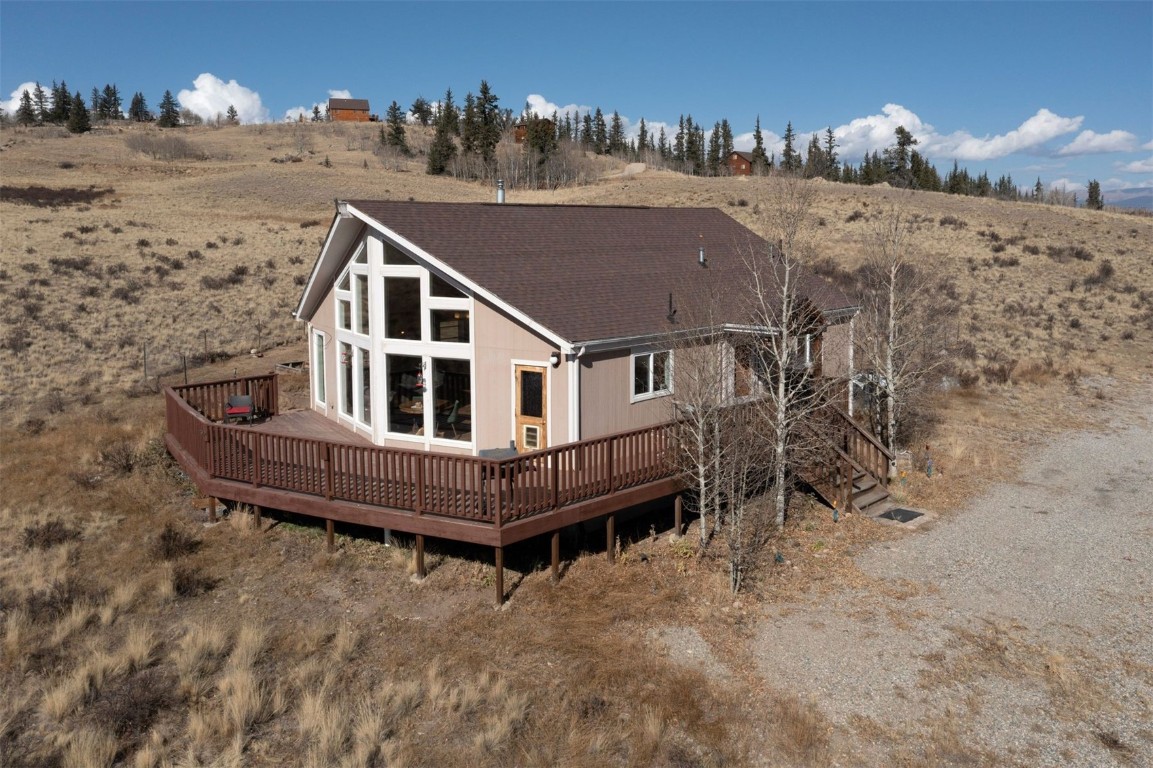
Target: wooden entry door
<point x="531" y="388"/>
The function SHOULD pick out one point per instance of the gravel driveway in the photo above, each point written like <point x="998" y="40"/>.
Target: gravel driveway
<point x="1018" y="631"/>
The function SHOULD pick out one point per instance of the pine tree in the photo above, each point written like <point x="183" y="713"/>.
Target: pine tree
<point x="394" y="135"/>
<point x="790" y="158"/>
<point x="443" y="148"/>
<point x="40" y="100"/>
<point x="110" y="104"/>
<point x="169" y="116"/>
<point x="726" y="138"/>
<point x="232" y="116"/>
<point x="94" y="103"/>
<point x="61" y="104"/>
<point x="830" y="155"/>
<point x="1039" y="191"/>
<point x="815" y="159"/>
<point x="713" y="163"/>
<point x="760" y="157"/>
<point x="897" y="158"/>
<point x="679" y="143"/>
<point x="422" y="111"/>
<point x="78" y="120"/>
<point x="616" y="135"/>
<point x="600" y="132"/>
<point x="490" y="122"/>
<point x="1094" y="201"/>
<point x="663" y="146"/>
<point x="643" y="137"/>
<point x="26" y="113"/>
<point x="138" y="108"/>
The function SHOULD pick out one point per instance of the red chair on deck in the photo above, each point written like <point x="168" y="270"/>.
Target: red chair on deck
<point x="240" y="407"/>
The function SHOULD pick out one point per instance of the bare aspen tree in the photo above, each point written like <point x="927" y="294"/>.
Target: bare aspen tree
<point x="793" y="394"/>
<point x="901" y="336"/>
<point x="700" y="397"/>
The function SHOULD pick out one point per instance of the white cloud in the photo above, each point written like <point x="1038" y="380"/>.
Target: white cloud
<point x="1147" y="146"/>
<point x="1138" y="166"/>
<point x="1091" y="143"/>
<point x="11" y="104"/>
<point x="1068" y="186"/>
<point x="875" y="132"/>
<point x="1031" y="134"/>
<point x="212" y="96"/>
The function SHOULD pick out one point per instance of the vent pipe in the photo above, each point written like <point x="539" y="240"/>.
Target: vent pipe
<point x="701" y="257"/>
<point x="500" y="191"/>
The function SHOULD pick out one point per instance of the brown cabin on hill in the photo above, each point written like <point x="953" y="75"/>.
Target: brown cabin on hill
<point x="348" y="110"/>
<point x="741" y="163"/>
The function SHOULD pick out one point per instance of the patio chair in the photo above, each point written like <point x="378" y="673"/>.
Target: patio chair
<point x="240" y="407"/>
<point x="452" y="417"/>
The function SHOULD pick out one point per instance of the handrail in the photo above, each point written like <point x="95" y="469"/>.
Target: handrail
<point x="463" y="487"/>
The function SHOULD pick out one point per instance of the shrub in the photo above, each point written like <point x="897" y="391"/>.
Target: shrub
<point x="856" y="215"/>
<point x="968" y="379"/>
<point x="188" y="581"/>
<point x="1032" y="250"/>
<point x="208" y="282"/>
<point x="1064" y="253"/>
<point x="952" y="221"/>
<point x="1105" y="270"/>
<point x="311" y="223"/>
<point x="999" y="373"/>
<point x="143" y="243"/>
<point x="163" y="147"/>
<point x="49" y="534"/>
<point x="173" y="542"/>
<point x="119" y="457"/>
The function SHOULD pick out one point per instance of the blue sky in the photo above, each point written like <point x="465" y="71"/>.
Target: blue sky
<point x="1057" y="90"/>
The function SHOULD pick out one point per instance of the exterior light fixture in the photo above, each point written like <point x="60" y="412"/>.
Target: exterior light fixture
<point x="554" y="359"/>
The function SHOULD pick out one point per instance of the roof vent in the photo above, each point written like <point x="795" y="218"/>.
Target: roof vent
<point x="701" y="257"/>
<point x="500" y="191"/>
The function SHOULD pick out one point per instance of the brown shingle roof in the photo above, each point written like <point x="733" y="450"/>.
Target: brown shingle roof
<point x="357" y="104"/>
<point x="590" y="272"/>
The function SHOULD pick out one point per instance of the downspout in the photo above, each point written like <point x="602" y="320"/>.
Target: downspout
<point x="574" y="389"/>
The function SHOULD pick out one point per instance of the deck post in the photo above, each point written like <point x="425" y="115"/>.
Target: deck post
<point x="846" y="486"/>
<point x="255" y="459"/>
<point x="329" y="478"/>
<point x="256" y="512"/>
<point x="330" y="533"/>
<point x="419" y="554"/>
<point x="498" y="556"/>
<point x="555" y="556"/>
<point x="678" y="514"/>
<point x="610" y="536"/>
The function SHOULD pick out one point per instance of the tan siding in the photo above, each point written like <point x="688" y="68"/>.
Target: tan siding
<point x="606" y="383"/>
<point x="835" y="351"/>
<point x="500" y="340"/>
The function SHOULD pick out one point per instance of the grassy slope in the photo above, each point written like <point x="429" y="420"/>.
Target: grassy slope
<point x="261" y="649"/>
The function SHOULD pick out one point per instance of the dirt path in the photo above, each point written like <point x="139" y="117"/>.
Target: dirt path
<point x="1018" y="631"/>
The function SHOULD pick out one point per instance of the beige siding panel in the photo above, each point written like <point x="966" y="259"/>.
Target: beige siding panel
<point x="499" y="340"/>
<point x="606" y="384"/>
<point x="835" y="351"/>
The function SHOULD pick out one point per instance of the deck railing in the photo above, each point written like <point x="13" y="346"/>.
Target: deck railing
<point x="463" y="487"/>
<point x="211" y="398"/>
<point x="495" y="492"/>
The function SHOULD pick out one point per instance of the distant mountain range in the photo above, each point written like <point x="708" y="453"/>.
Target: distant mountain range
<point x="1137" y="197"/>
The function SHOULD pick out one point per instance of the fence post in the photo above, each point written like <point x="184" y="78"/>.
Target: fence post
<point x="328" y="473"/>
<point x="255" y="459"/>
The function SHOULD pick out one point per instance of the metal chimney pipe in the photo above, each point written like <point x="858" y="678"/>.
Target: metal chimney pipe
<point x="500" y="190"/>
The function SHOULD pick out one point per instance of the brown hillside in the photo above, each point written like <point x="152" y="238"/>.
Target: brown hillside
<point x="135" y="634"/>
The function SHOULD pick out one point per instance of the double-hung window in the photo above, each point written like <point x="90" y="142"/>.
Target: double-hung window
<point x="652" y="374"/>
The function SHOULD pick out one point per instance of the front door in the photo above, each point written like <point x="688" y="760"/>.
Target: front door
<point x="531" y="407"/>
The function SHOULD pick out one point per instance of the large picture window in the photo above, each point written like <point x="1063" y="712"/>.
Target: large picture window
<point x="402" y="308"/>
<point x="652" y="374"/>
<point x="346" y="379"/>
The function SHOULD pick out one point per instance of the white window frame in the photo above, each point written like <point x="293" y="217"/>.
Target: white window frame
<point x="653" y="392"/>
<point x="318" y="366"/>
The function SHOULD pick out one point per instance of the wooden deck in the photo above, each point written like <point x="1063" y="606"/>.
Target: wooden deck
<point x="303" y="463"/>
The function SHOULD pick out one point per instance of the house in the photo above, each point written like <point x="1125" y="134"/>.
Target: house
<point x="348" y="110"/>
<point x="491" y="373"/>
<point x="740" y="163"/>
<point x="465" y="328"/>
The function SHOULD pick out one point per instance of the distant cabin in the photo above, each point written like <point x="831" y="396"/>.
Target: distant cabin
<point x="348" y="110"/>
<point x="741" y="163"/>
<point x="520" y="130"/>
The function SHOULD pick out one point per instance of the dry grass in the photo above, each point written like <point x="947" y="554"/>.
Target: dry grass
<point x="255" y="648"/>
